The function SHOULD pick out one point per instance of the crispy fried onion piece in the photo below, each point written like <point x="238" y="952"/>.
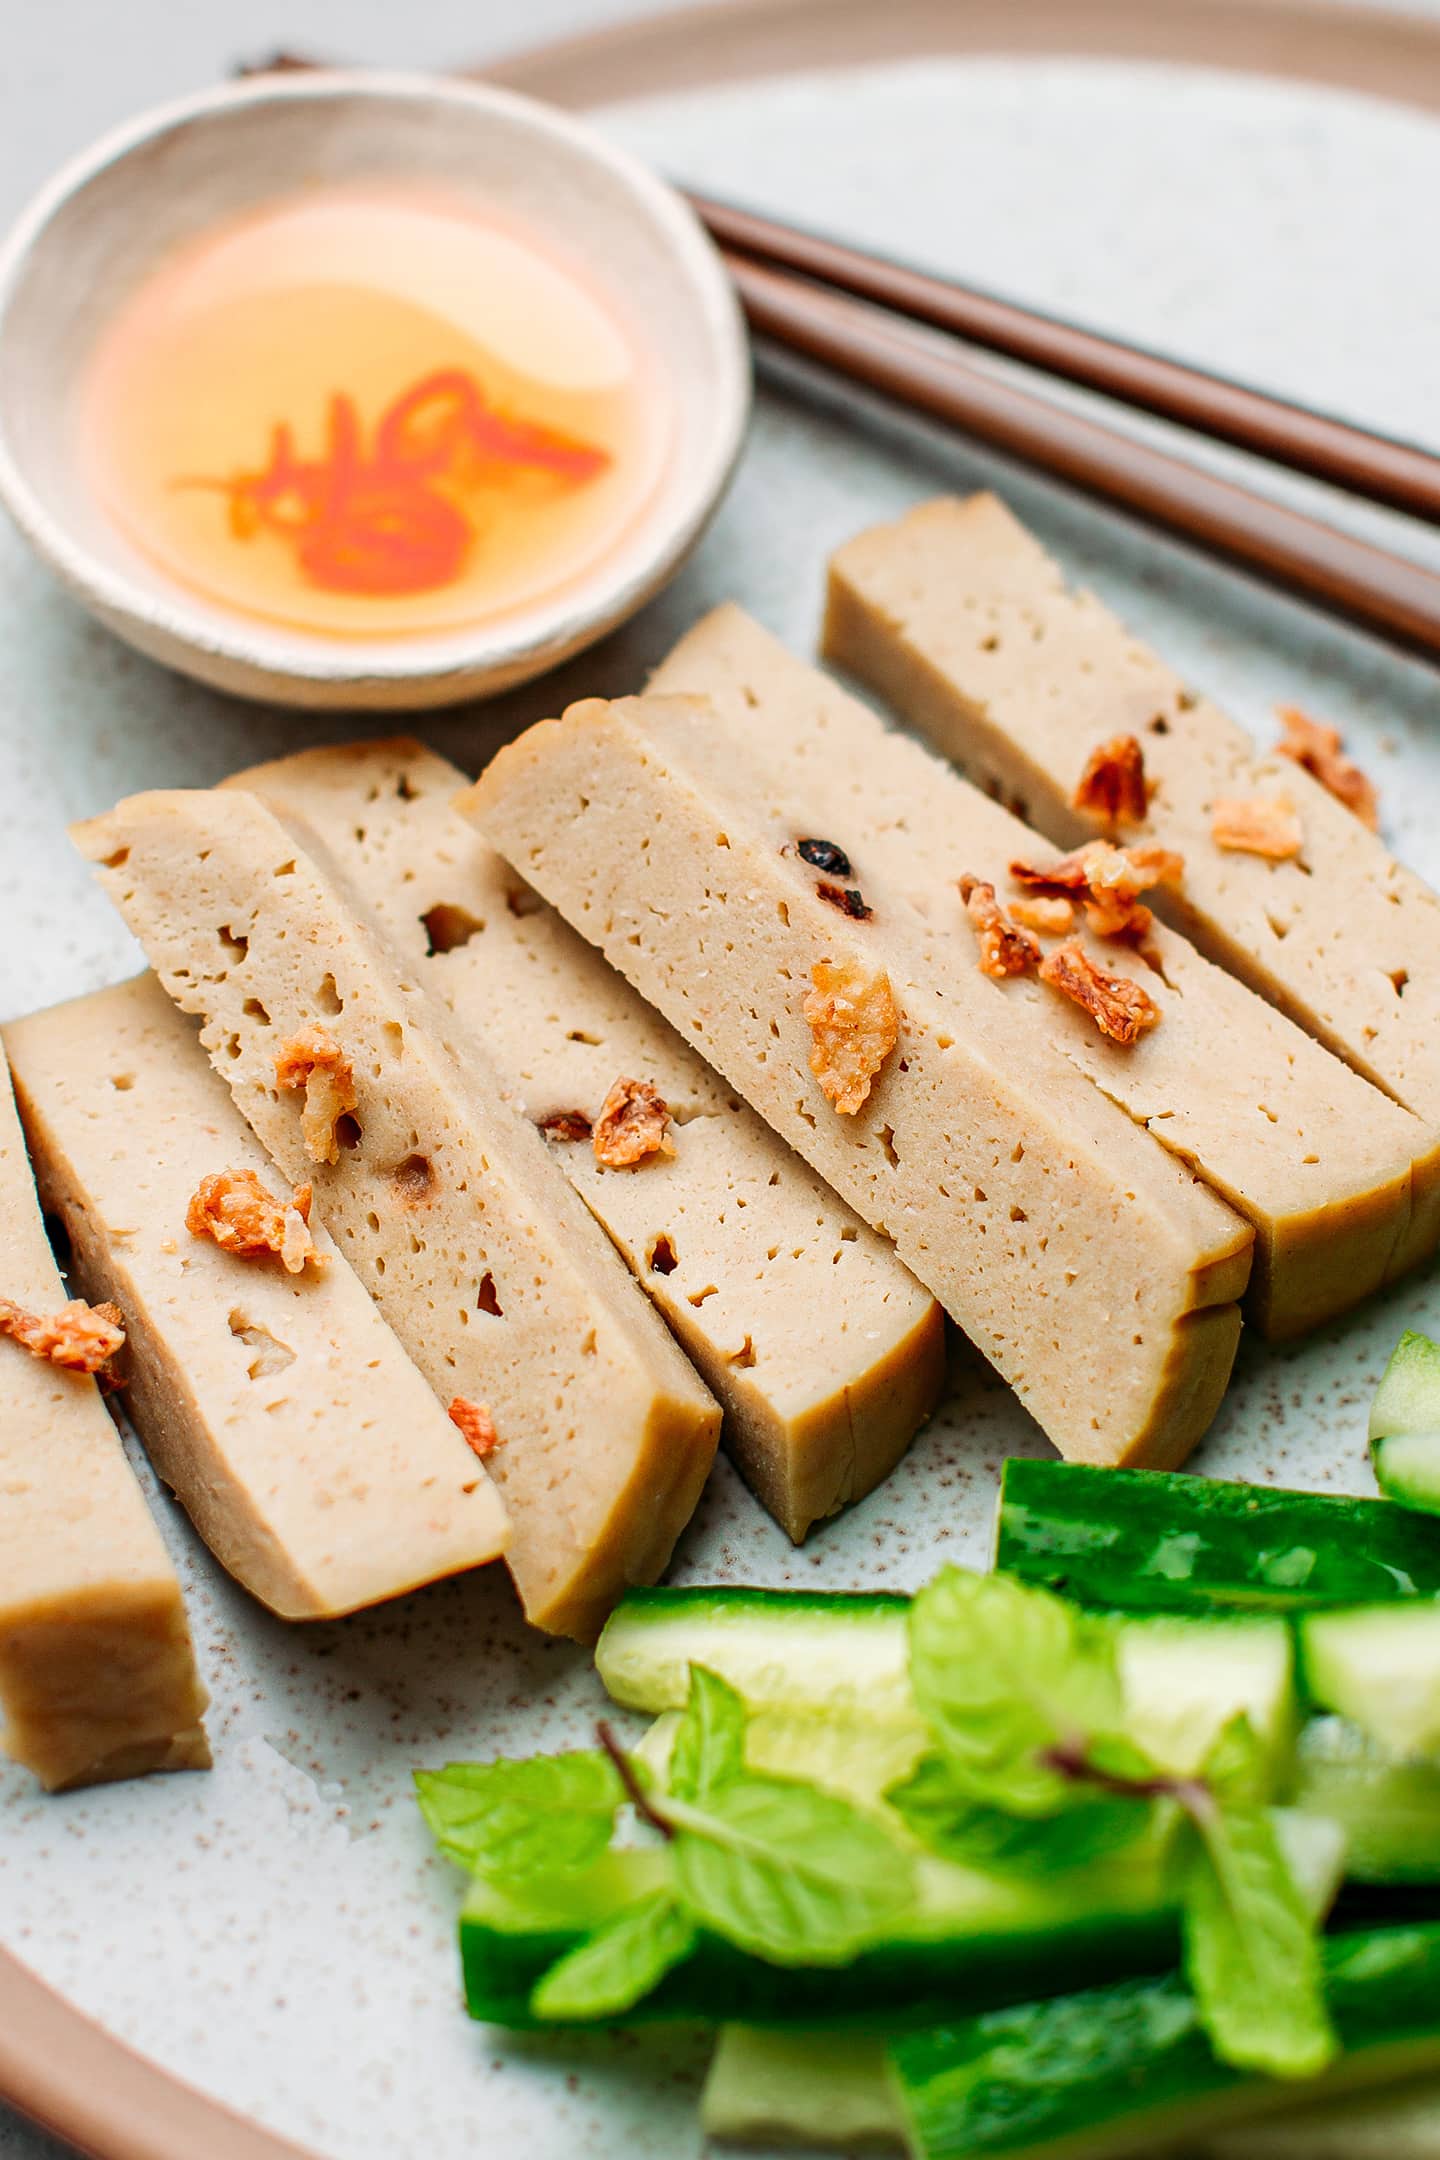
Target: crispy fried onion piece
<point x="1004" y="949"/>
<point x="80" y="1337"/>
<point x="1321" y="750"/>
<point x="313" y="1061"/>
<point x="1051" y="914"/>
<point x="1260" y="825"/>
<point x="233" y="1209"/>
<point x="1108" y="881"/>
<point x="851" y="1014"/>
<point x="1112" y="906"/>
<point x="634" y="1122"/>
<point x="1113" y="785"/>
<point x="1119" y="1007"/>
<point x="476" y="1425"/>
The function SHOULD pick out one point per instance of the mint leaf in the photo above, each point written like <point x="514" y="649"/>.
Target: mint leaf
<point x="791" y="1874"/>
<point x="1251" y="1952"/>
<point x="709" y="1747"/>
<point x="619" y="1964"/>
<point x="1235" y="1768"/>
<point x="1004" y="1674"/>
<point x="511" y="1818"/>
<point x="940" y="1813"/>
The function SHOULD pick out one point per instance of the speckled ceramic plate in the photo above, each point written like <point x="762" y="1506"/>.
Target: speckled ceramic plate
<point x="277" y="1933"/>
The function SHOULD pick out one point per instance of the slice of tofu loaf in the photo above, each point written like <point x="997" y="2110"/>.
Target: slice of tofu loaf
<point x="960" y="619"/>
<point x="1341" y="1184"/>
<point x="309" y="1452"/>
<point x="97" y="1670"/>
<point x="444" y="1199"/>
<point x="824" y="1352"/>
<point x="1092" y="1269"/>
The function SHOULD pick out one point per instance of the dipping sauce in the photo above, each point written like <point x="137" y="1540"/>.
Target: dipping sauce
<point x="366" y="413"/>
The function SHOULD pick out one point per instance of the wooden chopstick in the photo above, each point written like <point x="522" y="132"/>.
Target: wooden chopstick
<point x="1384" y="471"/>
<point x="824" y="300"/>
<point x="1380" y="591"/>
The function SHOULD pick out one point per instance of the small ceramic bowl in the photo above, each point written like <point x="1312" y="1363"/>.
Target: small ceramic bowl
<point x="108" y="219"/>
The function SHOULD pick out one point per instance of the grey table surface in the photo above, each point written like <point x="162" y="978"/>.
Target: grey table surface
<point x="72" y="68"/>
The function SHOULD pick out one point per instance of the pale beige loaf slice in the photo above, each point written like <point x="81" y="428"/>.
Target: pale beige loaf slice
<point x="958" y="616"/>
<point x="1097" y="1275"/>
<point x="309" y="1452"/>
<point x="824" y="1353"/>
<point x="97" y="1670"/>
<point x="443" y="1198"/>
<point x="1340" y="1182"/>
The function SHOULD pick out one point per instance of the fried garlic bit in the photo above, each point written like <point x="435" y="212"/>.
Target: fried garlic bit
<point x="236" y="1212"/>
<point x="79" y="1338"/>
<point x="851" y="1015"/>
<point x="476" y="1425"/>
<point x="634" y="1122"/>
<point x="1051" y="914"/>
<point x="1259" y="825"/>
<point x="1321" y="750"/>
<point x="1108" y="881"/>
<point x="1119" y="1007"/>
<point x="1004" y="949"/>
<point x="1113" y="786"/>
<point x="1067" y="874"/>
<point x="1112" y="905"/>
<point x="313" y="1061"/>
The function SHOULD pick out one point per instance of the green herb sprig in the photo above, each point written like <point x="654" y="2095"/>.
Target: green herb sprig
<point x="1030" y="1770"/>
<point x="781" y="1869"/>
<point x="1023" y="1700"/>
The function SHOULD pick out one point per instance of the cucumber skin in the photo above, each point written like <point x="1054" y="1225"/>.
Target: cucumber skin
<point x="974" y="1941"/>
<point x="640" y="1667"/>
<point x="1162" y="1541"/>
<point x="843" y="1655"/>
<point x="906" y="1982"/>
<point x="720" y="1600"/>
<point x="504" y="1951"/>
<point x="1131" y="2062"/>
